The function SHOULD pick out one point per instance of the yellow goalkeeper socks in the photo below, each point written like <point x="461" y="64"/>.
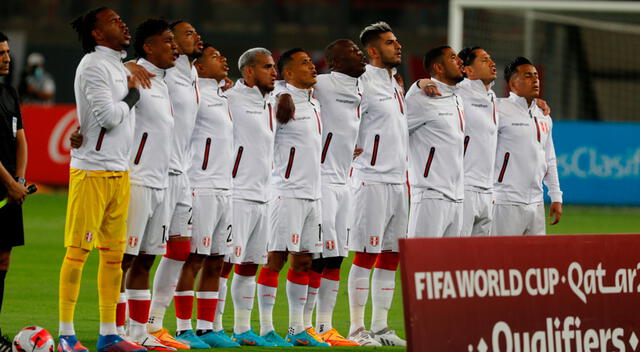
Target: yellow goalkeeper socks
<point x="109" y="280"/>
<point x="70" y="276"/>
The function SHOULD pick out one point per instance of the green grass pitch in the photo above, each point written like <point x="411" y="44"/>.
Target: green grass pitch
<point x="31" y="292"/>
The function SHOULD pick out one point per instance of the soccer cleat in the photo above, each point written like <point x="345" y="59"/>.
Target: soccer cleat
<point x="363" y="338"/>
<point x="168" y="340"/>
<point x="69" y="343"/>
<point x="334" y="338"/>
<point x="276" y="339"/>
<point x="115" y="343"/>
<point x="312" y="331"/>
<point x="217" y="339"/>
<point x="388" y="337"/>
<point x="304" y="339"/>
<point x="189" y="337"/>
<point x="250" y="338"/>
<point x="130" y="339"/>
<point x="152" y="343"/>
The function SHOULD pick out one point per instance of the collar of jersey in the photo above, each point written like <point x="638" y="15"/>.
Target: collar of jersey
<point x="477" y="85"/>
<point x="251" y="92"/>
<point x="521" y="101"/>
<point x="205" y="82"/>
<point x="299" y="93"/>
<point x="382" y="73"/>
<point x="151" y="67"/>
<point x="445" y="89"/>
<point x="118" y="55"/>
<point x="183" y="66"/>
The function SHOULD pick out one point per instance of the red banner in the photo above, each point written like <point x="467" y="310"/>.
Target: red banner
<point x="522" y="294"/>
<point x="47" y="129"/>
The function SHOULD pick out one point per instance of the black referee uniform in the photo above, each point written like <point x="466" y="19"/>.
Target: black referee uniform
<point x="11" y="231"/>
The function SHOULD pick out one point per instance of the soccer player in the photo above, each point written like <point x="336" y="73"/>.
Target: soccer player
<point x="436" y="135"/>
<point x="185" y="99"/>
<point x="380" y="195"/>
<point x="252" y="106"/>
<point x="525" y="157"/>
<point x="99" y="180"/>
<point x="13" y="164"/>
<point x="296" y="210"/>
<point x="149" y="210"/>
<point x="210" y="179"/>
<point x="340" y="96"/>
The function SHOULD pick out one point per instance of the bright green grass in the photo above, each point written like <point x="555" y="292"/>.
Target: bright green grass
<point x="31" y="288"/>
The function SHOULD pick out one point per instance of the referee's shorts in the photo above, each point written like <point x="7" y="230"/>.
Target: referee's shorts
<point x="97" y="209"/>
<point x="12" y="231"/>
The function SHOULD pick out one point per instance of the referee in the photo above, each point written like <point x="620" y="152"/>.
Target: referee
<point x="13" y="163"/>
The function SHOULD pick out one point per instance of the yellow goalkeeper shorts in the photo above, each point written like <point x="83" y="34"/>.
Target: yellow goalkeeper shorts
<point x="97" y="209"/>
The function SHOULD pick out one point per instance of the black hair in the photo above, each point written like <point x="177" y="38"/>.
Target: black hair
<point x="468" y="55"/>
<point x="205" y="46"/>
<point x="145" y="30"/>
<point x="173" y="24"/>
<point x="372" y="32"/>
<point x="84" y="25"/>
<point x="330" y="54"/>
<point x="286" y="58"/>
<point x="512" y="67"/>
<point x="3" y="37"/>
<point x="432" y="56"/>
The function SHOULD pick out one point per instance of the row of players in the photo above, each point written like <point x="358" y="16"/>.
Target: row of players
<point x="272" y="162"/>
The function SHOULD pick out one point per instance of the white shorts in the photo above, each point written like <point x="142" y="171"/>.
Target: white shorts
<point x="518" y="219"/>
<point x="336" y="213"/>
<point x="477" y="214"/>
<point x="380" y="216"/>
<point x="296" y="226"/>
<point x="211" y="221"/>
<point x="179" y="193"/>
<point x="148" y="221"/>
<point x="432" y="217"/>
<point x="250" y="232"/>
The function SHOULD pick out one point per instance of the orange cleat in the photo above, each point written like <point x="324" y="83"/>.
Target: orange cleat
<point x="312" y="332"/>
<point x="168" y="340"/>
<point x="334" y="338"/>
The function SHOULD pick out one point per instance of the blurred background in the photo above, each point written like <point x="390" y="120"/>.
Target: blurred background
<point x="586" y="54"/>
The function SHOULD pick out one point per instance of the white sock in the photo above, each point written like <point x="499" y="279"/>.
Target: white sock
<point x="297" y="297"/>
<point x="312" y="294"/>
<point x="266" y="302"/>
<point x="383" y="285"/>
<point x="205" y="324"/>
<point x="243" y="290"/>
<point x="222" y="296"/>
<point x="358" y="285"/>
<point x="66" y="328"/>
<point x="137" y="329"/>
<point x="108" y="329"/>
<point x="184" y="324"/>
<point x="164" y="286"/>
<point x="327" y="296"/>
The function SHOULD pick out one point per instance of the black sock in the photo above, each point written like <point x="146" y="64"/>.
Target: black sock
<point x="202" y="332"/>
<point x="3" y="274"/>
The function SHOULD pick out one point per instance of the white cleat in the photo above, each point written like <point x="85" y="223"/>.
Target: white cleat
<point x="152" y="343"/>
<point x="388" y="337"/>
<point x="363" y="338"/>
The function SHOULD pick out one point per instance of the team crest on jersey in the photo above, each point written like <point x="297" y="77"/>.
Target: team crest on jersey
<point x="88" y="236"/>
<point x="374" y="240"/>
<point x="238" y="251"/>
<point x="206" y="242"/>
<point x="133" y="241"/>
<point x="295" y="238"/>
<point x="330" y="244"/>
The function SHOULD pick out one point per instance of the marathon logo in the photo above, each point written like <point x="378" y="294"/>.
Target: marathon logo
<point x="344" y="101"/>
<point x="480" y="105"/>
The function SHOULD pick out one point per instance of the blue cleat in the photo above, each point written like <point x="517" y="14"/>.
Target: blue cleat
<point x="69" y="343"/>
<point x="275" y="339"/>
<point x="217" y="339"/>
<point x="306" y="340"/>
<point x="190" y="338"/>
<point x="250" y="338"/>
<point x="115" y="343"/>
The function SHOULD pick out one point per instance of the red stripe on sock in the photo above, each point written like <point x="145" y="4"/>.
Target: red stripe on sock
<point x="331" y="274"/>
<point x="139" y="310"/>
<point x="298" y="278"/>
<point x="388" y="261"/>
<point x="178" y="250"/>
<point x="184" y="306"/>
<point x="268" y="277"/>
<point x="207" y="308"/>
<point x="314" y="279"/>
<point x="121" y="314"/>
<point x="365" y="260"/>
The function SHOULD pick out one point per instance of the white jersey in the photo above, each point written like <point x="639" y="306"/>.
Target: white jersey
<point x="436" y="134"/>
<point x="182" y="80"/>
<point x="212" y="139"/>
<point x="298" y="145"/>
<point x="383" y="130"/>
<point x="253" y="136"/>
<point x="149" y="161"/>
<point x="340" y="97"/>
<point x="106" y="122"/>
<point x="525" y="154"/>
<point x="481" y="134"/>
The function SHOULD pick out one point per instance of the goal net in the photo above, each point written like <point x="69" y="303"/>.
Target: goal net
<point x="586" y="52"/>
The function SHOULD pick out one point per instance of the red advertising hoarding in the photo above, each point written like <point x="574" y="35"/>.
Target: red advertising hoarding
<point x="47" y="129"/>
<point x="576" y="293"/>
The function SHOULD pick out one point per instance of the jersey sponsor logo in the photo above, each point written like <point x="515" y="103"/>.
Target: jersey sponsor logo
<point x="480" y="105"/>
<point x="295" y="238"/>
<point x="344" y="101"/>
<point x="330" y="244"/>
<point x="519" y="124"/>
<point x="374" y="240"/>
<point x="88" y="237"/>
<point x="133" y="241"/>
